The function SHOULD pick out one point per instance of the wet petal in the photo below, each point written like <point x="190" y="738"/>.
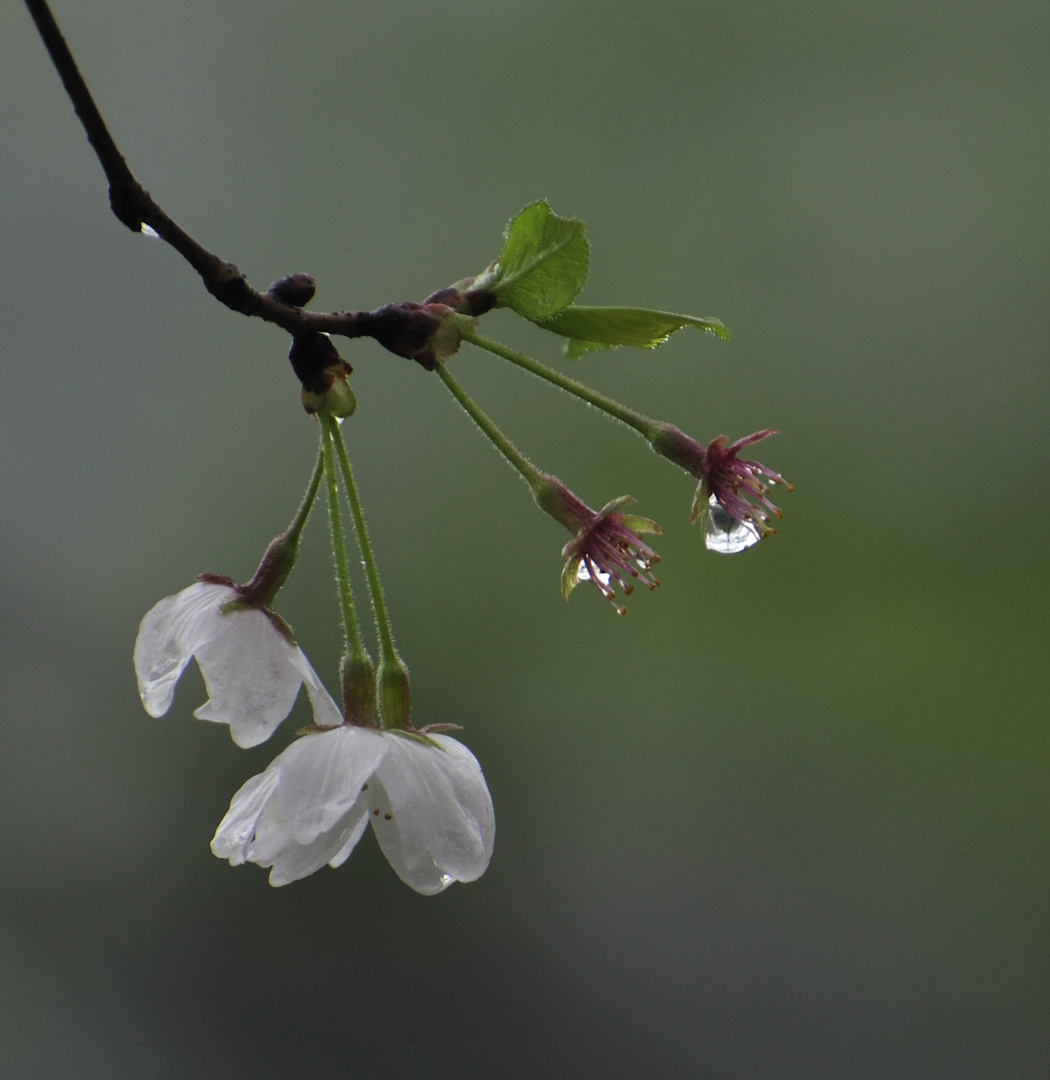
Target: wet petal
<point x="322" y="775"/>
<point x="235" y="831"/>
<point x="432" y="813"/>
<point x="333" y="847"/>
<point x="168" y="636"/>
<point x="252" y="672"/>
<point x="326" y="712"/>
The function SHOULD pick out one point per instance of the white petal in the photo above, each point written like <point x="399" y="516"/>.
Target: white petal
<point x="326" y="712"/>
<point x="252" y="678"/>
<point x="333" y="847"/>
<point x="169" y="634"/>
<point x="252" y="671"/>
<point x="432" y="813"/>
<point x="359" y="825"/>
<point x="237" y="828"/>
<point x="321" y="778"/>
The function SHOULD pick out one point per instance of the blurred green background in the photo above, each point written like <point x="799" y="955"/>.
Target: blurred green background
<point x="788" y="818"/>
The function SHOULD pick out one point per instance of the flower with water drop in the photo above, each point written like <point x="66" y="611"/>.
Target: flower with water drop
<point x="607" y="547"/>
<point x="423" y="793"/>
<point x="250" y="663"/>
<point x="732" y="496"/>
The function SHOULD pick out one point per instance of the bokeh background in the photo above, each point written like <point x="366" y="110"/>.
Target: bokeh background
<point x="788" y="818"/>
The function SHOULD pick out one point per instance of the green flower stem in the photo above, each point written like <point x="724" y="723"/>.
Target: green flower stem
<point x="282" y="552"/>
<point x="388" y="651"/>
<point x="295" y="529"/>
<point x="532" y="476"/>
<point x="351" y="630"/>
<point x="642" y="424"/>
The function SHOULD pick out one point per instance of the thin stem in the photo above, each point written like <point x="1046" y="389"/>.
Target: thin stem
<point x="351" y="630"/>
<point x="642" y="424"/>
<point x="532" y="475"/>
<point x="295" y="529"/>
<point x="386" y="637"/>
<point x="282" y="552"/>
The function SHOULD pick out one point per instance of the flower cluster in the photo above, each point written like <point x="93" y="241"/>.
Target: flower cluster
<point x="424" y="793"/>
<point x="364" y="761"/>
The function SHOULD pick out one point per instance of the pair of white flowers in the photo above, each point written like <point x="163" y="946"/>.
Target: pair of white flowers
<point x="426" y="797"/>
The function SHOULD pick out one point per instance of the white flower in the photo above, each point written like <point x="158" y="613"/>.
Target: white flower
<point x="428" y="804"/>
<point x="251" y="669"/>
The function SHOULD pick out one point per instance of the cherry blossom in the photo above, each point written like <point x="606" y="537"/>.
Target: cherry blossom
<point x="424" y="794"/>
<point x="252" y="668"/>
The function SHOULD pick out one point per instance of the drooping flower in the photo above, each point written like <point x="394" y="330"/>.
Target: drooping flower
<point x="732" y="496"/>
<point x="251" y="665"/>
<point x="424" y="794"/>
<point x="606" y="548"/>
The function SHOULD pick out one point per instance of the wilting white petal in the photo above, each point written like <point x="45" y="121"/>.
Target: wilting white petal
<point x="354" y="834"/>
<point x="326" y="712"/>
<point x="432" y="813"/>
<point x="235" y="831"/>
<point x="251" y="670"/>
<point x="333" y="847"/>
<point x="308" y="808"/>
<point x="169" y="634"/>
<point x="322" y="775"/>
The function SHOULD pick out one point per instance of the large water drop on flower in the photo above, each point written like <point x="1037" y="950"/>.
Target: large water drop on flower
<point x="725" y="534"/>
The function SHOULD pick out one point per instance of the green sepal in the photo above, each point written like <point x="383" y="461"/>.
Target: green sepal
<point x="416" y="736"/>
<point x="313" y="729"/>
<point x="569" y="576"/>
<point x="543" y="266"/>
<point x="591" y="328"/>
<point x="640" y="524"/>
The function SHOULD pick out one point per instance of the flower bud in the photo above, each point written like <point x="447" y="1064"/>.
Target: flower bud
<point x="323" y="372"/>
<point x="463" y="299"/>
<point x="296" y="290"/>
<point x="426" y="333"/>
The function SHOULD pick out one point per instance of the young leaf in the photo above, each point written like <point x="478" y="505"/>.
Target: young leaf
<point x="590" y="328"/>
<point x="543" y="265"/>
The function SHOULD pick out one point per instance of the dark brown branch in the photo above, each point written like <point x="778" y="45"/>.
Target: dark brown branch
<point x="134" y="207"/>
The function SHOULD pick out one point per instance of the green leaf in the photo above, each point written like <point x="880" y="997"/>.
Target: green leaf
<point x="543" y="265"/>
<point x="590" y="328"/>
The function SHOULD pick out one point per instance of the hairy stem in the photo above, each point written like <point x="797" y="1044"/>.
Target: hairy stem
<point x="386" y="637"/>
<point x="642" y="424"/>
<point x="532" y="476"/>
<point x="351" y="629"/>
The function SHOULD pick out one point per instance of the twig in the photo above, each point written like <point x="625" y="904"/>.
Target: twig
<point x="134" y="207"/>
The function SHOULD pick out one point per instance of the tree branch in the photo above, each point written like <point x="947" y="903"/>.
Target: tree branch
<point x="134" y="207"/>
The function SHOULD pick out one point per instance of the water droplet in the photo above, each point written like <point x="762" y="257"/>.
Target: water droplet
<point x="583" y="574"/>
<point x="148" y="230"/>
<point x="725" y="534"/>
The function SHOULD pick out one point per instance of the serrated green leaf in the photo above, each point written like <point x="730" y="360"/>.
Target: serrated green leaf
<point x="543" y="265"/>
<point x="590" y="328"/>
